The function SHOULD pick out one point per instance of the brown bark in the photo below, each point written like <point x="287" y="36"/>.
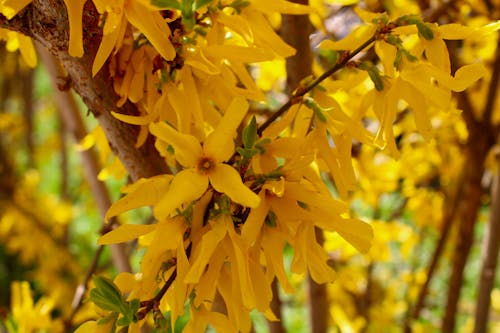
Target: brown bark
<point x="491" y="248"/>
<point x="295" y="30"/>
<point x="28" y="114"/>
<point x="482" y="137"/>
<point x="46" y="22"/>
<point x="318" y="298"/>
<point x="491" y="245"/>
<point x="276" y="326"/>
<point x="467" y="214"/>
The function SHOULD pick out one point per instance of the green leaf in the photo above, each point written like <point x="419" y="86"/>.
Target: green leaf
<point x="313" y="105"/>
<point x="424" y="30"/>
<point x="200" y="3"/>
<point x="271" y="219"/>
<point x="239" y="4"/>
<point x="376" y="79"/>
<point x="107" y="296"/>
<point x="250" y="134"/>
<point x="107" y="319"/>
<point x="164" y="4"/>
<point x="408" y="20"/>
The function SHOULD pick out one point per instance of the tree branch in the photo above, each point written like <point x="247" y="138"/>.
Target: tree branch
<point x="491" y="248"/>
<point x="300" y="92"/>
<point x="46" y="22"/>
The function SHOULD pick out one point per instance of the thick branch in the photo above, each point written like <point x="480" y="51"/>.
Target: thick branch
<point x="46" y="22"/>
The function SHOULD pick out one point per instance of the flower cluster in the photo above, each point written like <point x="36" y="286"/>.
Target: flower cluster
<point x="242" y="189"/>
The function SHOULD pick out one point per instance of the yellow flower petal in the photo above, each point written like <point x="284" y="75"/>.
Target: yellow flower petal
<point x="238" y="53"/>
<point x="202" y="255"/>
<point x="226" y="179"/>
<point x="273" y="244"/>
<point x="27" y="50"/>
<point x="280" y="6"/>
<point x="147" y="193"/>
<point x="236" y="23"/>
<point x="105" y="48"/>
<point x="455" y="31"/>
<point x="152" y="25"/>
<point x="265" y="35"/>
<point x="187" y="148"/>
<point x="255" y="220"/>
<point x="354" y="40"/>
<point x="437" y="53"/>
<point x="387" y="53"/>
<point x="75" y="13"/>
<point x="135" y="120"/>
<point x="125" y="233"/>
<point x="87" y="327"/>
<point x="418" y="103"/>
<point x="187" y="185"/>
<point x="10" y="8"/>
<point x="220" y="143"/>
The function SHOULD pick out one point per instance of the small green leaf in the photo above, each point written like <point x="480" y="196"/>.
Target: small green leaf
<point x="106" y="295"/>
<point x="271" y="219"/>
<point x="407" y="20"/>
<point x="424" y="30"/>
<point x="397" y="59"/>
<point x="313" y="105"/>
<point x="376" y="79"/>
<point x="239" y="4"/>
<point x="250" y="134"/>
<point x="123" y="321"/>
<point x="200" y="3"/>
<point x="164" y="4"/>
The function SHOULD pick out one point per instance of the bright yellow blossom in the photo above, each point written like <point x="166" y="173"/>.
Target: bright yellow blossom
<point x="204" y="164"/>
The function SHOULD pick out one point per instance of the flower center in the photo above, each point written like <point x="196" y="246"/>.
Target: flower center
<point x="206" y="165"/>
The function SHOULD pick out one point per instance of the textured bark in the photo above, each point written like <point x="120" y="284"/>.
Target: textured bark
<point x="482" y="136"/>
<point x="318" y="299"/>
<point x="491" y="241"/>
<point x="491" y="250"/>
<point x="295" y="30"/>
<point x="481" y="139"/>
<point x="26" y="78"/>
<point x="467" y="214"/>
<point x="276" y="326"/>
<point x="46" y="22"/>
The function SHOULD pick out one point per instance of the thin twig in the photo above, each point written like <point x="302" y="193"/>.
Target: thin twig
<point x="82" y="287"/>
<point x="147" y="306"/>
<point x="300" y="92"/>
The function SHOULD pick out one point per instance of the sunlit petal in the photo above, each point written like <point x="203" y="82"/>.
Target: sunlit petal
<point x="187" y="148"/>
<point x="226" y="179"/>
<point x="188" y="185"/>
<point x="147" y="192"/>
<point x="125" y="233"/>
<point x="152" y="25"/>
<point x="219" y="144"/>
<point x="255" y="220"/>
<point x="75" y="13"/>
<point x="201" y="257"/>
